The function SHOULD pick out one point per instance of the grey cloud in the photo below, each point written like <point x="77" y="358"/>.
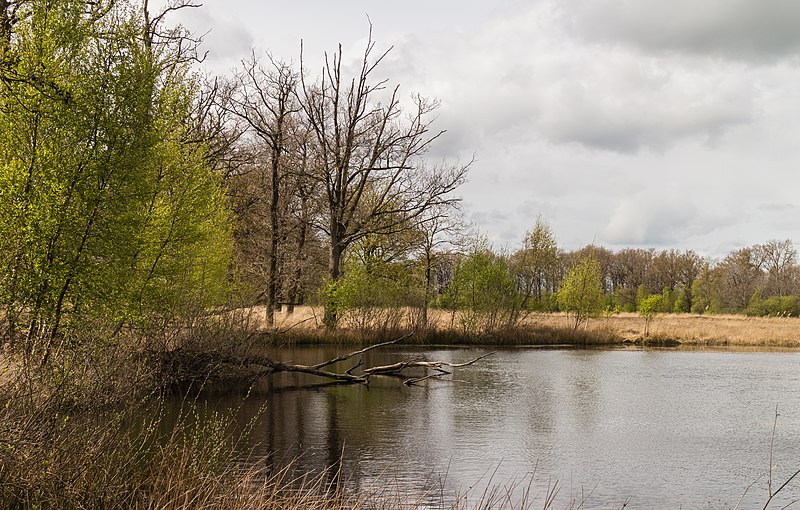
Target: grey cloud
<point x="516" y="83"/>
<point x="777" y="207"/>
<point x="737" y="29"/>
<point x="620" y="103"/>
<point x="226" y="39"/>
<point x="659" y="218"/>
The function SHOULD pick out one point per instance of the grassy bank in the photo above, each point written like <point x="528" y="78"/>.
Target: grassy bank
<point x="303" y="326"/>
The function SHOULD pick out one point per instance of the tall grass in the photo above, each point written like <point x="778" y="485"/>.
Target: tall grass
<point x="126" y="459"/>
<point x="557" y="329"/>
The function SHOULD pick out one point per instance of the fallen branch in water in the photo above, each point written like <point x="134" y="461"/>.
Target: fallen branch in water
<point x="265" y="366"/>
<point x="397" y="368"/>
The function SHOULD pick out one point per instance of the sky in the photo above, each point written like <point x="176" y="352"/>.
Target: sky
<point x="623" y="123"/>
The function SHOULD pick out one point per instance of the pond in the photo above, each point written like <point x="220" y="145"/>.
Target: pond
<point x="655" y="428"/>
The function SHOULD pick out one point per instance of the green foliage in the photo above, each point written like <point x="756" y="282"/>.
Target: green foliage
<point x="535" y="265"/>
<point x="641" y="295"/>
<point x="702" y="295"/>
<point x="682" y="303"/>
<point x="373" y="296"/>
<point x="109" y="215"/>
<point x="667" y="300"/>
<point x="581" y="293"/>
<point x="648" y="307"/>
<point x="774" y="306"/>
<point x="484" y="291"/>
<point x="624" y="300"/>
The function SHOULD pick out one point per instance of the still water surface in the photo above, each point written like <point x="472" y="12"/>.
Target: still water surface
<point x="659" y="428"/>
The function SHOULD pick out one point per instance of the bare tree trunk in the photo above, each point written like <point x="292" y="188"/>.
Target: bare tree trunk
<point x="370" y="157"/>
<point x="428" y="284"/>
<point x="335" y="272"/>
<point x="266" y="103"/>
<point x="272" y="287"/>
<point x="293" y="294"/>
<point x="271" y="367"/>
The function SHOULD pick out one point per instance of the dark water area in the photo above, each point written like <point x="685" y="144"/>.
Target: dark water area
<point x="658" y="428"/>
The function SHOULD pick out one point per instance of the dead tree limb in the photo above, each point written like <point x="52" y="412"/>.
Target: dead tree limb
<point x="362" y="351"/>
<point x="396" y="368"/>
<point x="266" y="366"/>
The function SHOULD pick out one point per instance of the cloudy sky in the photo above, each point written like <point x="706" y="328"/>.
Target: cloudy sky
<point x="637" y="123"/>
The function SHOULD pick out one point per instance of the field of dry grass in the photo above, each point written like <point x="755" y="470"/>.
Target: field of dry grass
<point x="688" y="329"/>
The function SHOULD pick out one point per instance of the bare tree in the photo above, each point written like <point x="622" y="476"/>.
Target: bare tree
<point x="739" y="276"/>
<point x="438" y="226"/>
<point x="780" y="263"/>
<point x="266" y="102"/>
<point x="369" y="151"/>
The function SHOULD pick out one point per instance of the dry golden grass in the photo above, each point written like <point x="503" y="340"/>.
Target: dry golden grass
<point x="712" y="330"/>
<point x="688" y="329"/>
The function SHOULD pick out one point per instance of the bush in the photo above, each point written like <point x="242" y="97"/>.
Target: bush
<point x="377" y="300"/>
<point x="485" y="293"/>
<point x="774" y="306"/>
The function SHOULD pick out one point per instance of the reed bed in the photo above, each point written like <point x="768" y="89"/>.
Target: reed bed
<point x="304" y="326"/>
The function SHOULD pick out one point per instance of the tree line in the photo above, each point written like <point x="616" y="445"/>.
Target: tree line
<point x="484" y="289"/>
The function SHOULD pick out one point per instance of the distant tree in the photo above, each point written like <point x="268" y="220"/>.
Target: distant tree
<point x="438" y="226"/>
<point x="682" y="303"/>
<point x="648" y="307"/>
<point x="535" y="263"/>
<point x="737" y="277"/>
<point x="704" y="293"/>
<point x="670" y="270"/>
<point x="483" y="290"/>
<point x="780" y="263"/>
<point x="630" y="269"/>
<point x="581" y="294"/>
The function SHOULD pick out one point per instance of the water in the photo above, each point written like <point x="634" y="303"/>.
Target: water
<point x="658" y="428"/>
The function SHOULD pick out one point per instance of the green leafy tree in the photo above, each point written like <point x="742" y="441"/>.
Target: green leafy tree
<point x="648" y="307"/>
<point x="581" y="294"/>
<point x="109" y="214"/>
<point x="668" y="299"/>
<point x="483" y="290"/>
<point x="536" y="263"/>
<point x="682" y="301"/>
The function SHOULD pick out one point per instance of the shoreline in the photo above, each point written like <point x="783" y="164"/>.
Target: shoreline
<point x="543" y="329"/>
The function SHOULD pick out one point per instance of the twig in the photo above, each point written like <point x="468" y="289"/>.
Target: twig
<point x="410" y="382"/>
<point x="282" y="331"/>
<point x="745" y="491"/>
<point x="344" y="357"/>
<point x="360" y="362"/>
<point x="781" y="488"/>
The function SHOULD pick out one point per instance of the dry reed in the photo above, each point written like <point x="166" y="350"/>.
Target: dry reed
<point x="304" y="326"/>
